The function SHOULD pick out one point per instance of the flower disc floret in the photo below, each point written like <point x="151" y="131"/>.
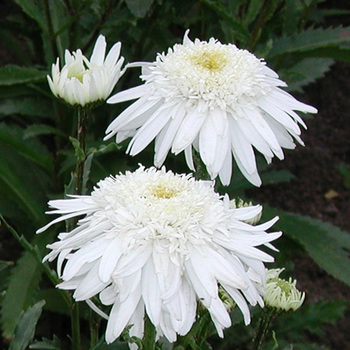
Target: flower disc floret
<point x="86" y="83"/>
<point x="159" y="243"/>
<point x="215" y="98"/>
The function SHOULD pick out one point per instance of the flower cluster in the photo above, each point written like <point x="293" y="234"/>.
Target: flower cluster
<point x="157" y="242"/>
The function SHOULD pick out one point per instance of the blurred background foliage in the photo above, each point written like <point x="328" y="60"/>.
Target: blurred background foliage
<point x="37" y="157"/>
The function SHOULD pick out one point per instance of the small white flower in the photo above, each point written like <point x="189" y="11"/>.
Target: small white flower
<point x="219" y="99"/>
<point x="157" y="242"/>
<point x="282" y="294"/>
<point x="81" y="81"/>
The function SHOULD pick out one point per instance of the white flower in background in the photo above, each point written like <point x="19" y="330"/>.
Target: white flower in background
<point x="282" y="294"/>
<point x="219" y="99"/>
<point x="81" y="81"/>
<point x="157" y="242"/>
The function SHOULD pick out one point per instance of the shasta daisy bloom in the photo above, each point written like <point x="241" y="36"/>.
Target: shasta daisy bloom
<point x="83" y="82"/>
<point x="215" y="98"/>
<point x="281" y="294"/>
<point x="159" y="243"/>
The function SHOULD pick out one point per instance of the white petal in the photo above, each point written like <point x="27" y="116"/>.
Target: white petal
<point x="151" y="296"/>
<point x="98" y="54"/>
<point x="188" y="131"/>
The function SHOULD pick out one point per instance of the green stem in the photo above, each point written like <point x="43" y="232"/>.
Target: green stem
<point x="75" y="325"/>
<point x="265" y="13"/>
<point x="149" y="337"/>
<point x="94" y="321"/>
<point x="263" y="328"/>
<point x="81" y="131"/>
<point x="78" y="189"/>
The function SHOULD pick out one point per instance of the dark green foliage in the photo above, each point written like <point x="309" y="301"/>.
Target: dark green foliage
<point x="25" y="327"/>
<point x="326" y="244"/>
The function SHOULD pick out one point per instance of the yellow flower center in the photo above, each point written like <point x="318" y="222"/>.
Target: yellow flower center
<point x="77" y="75"/>
<point x="210" y="60"/>
<point x="163" y="191"/>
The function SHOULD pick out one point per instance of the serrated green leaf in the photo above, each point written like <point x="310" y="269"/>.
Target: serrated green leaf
<point x="339" y="53"/>
<point x="79" y="152"/>
<point x="40" y="129"/>
<point x="25" y="328"/>
<point x="19" y="296"/>
<point x="23" y="282"/>
<point x="36" y="107"/>
<point x="139" y="8"/>
<point x="311" y="317"/>
<point x="305" y="72"/>
<point x="11" y="75"/>
<point x="47" y="344"/>
<point x="326" y="244"/>
<point x="308" y="40"/>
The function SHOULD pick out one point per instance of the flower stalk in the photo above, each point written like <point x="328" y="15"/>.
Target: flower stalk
<point x="149" y="338"/>
<point x="81" y="136"/>
<point x="263" y="328"/>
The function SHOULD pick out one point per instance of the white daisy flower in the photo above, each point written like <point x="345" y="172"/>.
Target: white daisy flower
<point x="81" y="81"/>
<point x="157" y="242"/>
<point x="216" y="98"/>
<point x="282" y="294"/>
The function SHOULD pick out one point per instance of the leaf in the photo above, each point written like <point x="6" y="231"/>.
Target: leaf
<point x="116" y="345"/>
<point x="41" y="129"/>
<point x="86" y="172"/>
<point x="5" y="264"/>
<point x="22" y="286"/>
<point x="311" y="317"/>
<point x="305" y="72"/>
<point x="309" y="40"/>
<point x="25" y="328"/>
<point x="139" y="8"/>
<point x="19" y="192"/>
<point x="338" y="53"/>
<point x="24" y="279"/>
<point x="37" y="107"/>
<point x="79" y="152"/>
<point x="11" y="75"/>
<point x="53" y="300"/>
<point x="11" y="140"/>
<point x="35" y="10"/>
<point x="253" y="11"/>
<point x="326" y="244"/>
<point x="47" y="344"/>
